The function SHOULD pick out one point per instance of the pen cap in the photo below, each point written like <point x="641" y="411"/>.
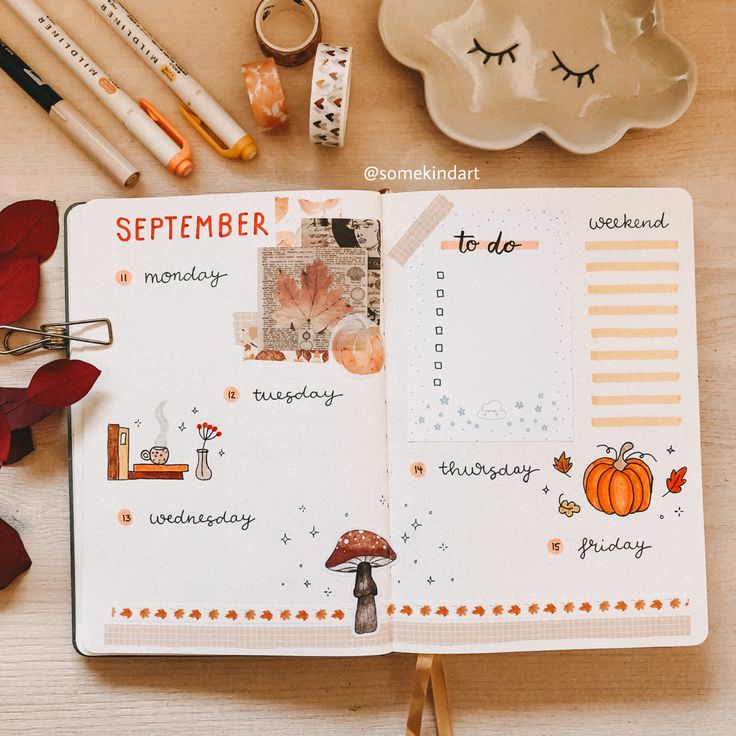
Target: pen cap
<point x="71" y="121"/>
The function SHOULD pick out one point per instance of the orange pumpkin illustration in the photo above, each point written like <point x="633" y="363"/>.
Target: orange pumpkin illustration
<point x="621" y="485"/>
<point x="357" y="345"/>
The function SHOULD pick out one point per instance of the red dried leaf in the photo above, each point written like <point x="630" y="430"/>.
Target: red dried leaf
<point x="30" y="228"/>
<point x="14" y="559"/>
<point x="5" y="439"/>
<point x="21" y="445"/>
<point x="20" y="412"/>
<point x="19" y="281"/>
<point x="62" y="383"/>
<point x="676" y="480"/>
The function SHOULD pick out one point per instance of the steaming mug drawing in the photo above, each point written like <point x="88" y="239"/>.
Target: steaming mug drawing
<point x="156" y="455"/>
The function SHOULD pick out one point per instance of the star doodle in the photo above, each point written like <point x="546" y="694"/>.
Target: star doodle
<point x="307" y="583"/>
<point x="538" y="409"/>
<point x="461" y="412"/>
<point x="519" y="404"/>
<point x="546" y="490"/>
<point x="670" y="450"/>
<point x="327" y="592"/>
<point x="405" y="537"/>
<point x="137" y="422"/>
<point x="420" y="420"/>
<point x="302" y="508"/>
<point x="416" y="524"/>
<point x="285" y="539"/>
<point x="438" y="427"/>
<point x="443" y="547"/>
<point x="445" y="400"/>
<point x="195" y="410"/>
<point x="182" y="427"/>
<point x="431" y="580"/>
<point x="314" y="531"/>
<point x="221" y="453"/>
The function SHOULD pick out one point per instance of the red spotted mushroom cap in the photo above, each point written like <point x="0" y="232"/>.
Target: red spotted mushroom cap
<point x="360" y="546"/>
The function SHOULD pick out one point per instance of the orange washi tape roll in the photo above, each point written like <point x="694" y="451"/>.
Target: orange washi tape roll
<point x="288" y="30"/>
<point x="266" y="93"/>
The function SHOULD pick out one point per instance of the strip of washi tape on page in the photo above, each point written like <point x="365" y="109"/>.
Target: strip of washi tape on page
<point x="633" y="311"/>
<point x="330" y="97"/>
<point x="437" y="211"/>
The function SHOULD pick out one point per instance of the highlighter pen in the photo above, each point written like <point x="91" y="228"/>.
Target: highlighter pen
<point x="68" y="118"/>
<point x="200" y="109"/>
<point x="151" y="128"/>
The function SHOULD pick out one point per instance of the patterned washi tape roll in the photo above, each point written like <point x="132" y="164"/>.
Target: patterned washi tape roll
<point x="266" y="93"/>
<point x="330" y="98"/>
<point x="275" y="28"/>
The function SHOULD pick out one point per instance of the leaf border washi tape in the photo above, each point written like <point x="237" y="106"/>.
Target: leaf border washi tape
<point x="330" y="96"/>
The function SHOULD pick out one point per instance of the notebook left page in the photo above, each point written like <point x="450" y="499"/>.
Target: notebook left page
<point x="226" y="456"/>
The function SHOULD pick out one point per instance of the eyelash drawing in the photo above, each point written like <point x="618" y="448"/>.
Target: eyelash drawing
<point x="500" y="55"/>
<point x="570" y="73"/>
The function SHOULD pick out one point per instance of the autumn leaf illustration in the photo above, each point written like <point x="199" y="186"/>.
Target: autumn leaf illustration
<point x="391" y="610"/>
<point x="675" y="603"/>
<point x="569" y="607"/>
<point x="563" y="464"/>
<point x="425" y="610"/>
<point x="533" y="609"/>
<point x="267" y="615"/>
<point x="314" y="304"/>
<point x="586" y="607"/>
<point x="604" y="606"/>
<point x="515" y="610"/>
<point x="621" y="606"/>
<point x="160" y="614"/>
<point x="179" y="613"/>
<point x="407" y="610"/>
<point x="214" y="614"/>
<point x="302" y="616"/>
<point x="462" y="610"/>
<point x="250" y="615"/>
<point x="550" y="608"/>
<point x="126" y="613"/>
<point x="640" y="605"/>
<point x="195" y="614"/>
<point x="442" y="611"/>
<point x="321" y="615"/>
<point x="232" y="615"/>
<point x="145" y="613"/>
<point x="656" y="604"/>
<point x="568" y="508"/>
<point x="497" y="610"/>
<point x="338" y="614"/>
<point x="285" y="615"/>
<point x="479" y="611"/>
<point x="676" y="481"/>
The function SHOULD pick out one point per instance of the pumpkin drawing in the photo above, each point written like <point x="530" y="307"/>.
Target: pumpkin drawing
<point x="620" y="486"/>
<point x="357" y="345"/>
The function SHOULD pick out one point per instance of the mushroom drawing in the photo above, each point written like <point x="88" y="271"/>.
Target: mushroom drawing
<point x="360" y="551"/>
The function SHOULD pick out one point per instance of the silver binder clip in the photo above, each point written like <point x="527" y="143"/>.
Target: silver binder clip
<point x="53" y="336"/>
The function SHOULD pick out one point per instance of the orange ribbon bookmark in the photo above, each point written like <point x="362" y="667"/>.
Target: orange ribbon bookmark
<point x="429" y="671"/>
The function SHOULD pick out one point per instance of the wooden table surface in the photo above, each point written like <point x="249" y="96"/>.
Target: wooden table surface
<point x="45" y="687"/>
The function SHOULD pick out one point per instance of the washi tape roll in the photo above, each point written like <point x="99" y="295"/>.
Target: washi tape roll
<point x="266" y="93"/>
<point x="288" y="30"/>
<point x="330" y="98"/>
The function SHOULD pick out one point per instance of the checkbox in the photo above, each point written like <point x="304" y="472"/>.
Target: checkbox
<point x="440" y="312"/>
<point x="437" y="382"/>
<point x="439" y="348"/>
<point x="438" y="366"/>
<point x="440" y="275"/>
<point x="440" y="293"/>
<point x="439" y="330"/>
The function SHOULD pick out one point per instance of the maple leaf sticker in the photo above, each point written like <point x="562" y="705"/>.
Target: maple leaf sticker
<point x="676" y="481"/>
<point x="302" y="616"/>
<point x="563" y="464"/>
<point x="321" y="615"/>
<point x="462" y="610"/>
<point x="569" y="607"/>
<point x="391" y="610"/>
<point x="497" y="610"/>
<point x="515" y="610"/>
<point x="250" y="615"/>
<point x="533" y="609"/>
<point x="550" y="608"/>
<point x="443" y="611"/>
<point x="179" y="613"/>
<point x="407" y="610"/>
<point x="314" y="304"/>
<point x="232" y="615"/>
<point x="479" y="611"/>
<point x="425" y="610"/>
<point x="338" y="614"/>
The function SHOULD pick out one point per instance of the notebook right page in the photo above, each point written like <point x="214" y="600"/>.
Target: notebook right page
<point x="544" y="438"/>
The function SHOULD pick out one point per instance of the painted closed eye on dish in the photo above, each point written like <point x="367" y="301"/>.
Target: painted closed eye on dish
<point x="497" y="72"/>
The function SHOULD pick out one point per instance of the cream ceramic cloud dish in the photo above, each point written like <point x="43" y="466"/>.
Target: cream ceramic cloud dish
<point x="583" y="72"/>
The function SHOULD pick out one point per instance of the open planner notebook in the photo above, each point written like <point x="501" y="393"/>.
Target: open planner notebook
<point x="346" y="423"/>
